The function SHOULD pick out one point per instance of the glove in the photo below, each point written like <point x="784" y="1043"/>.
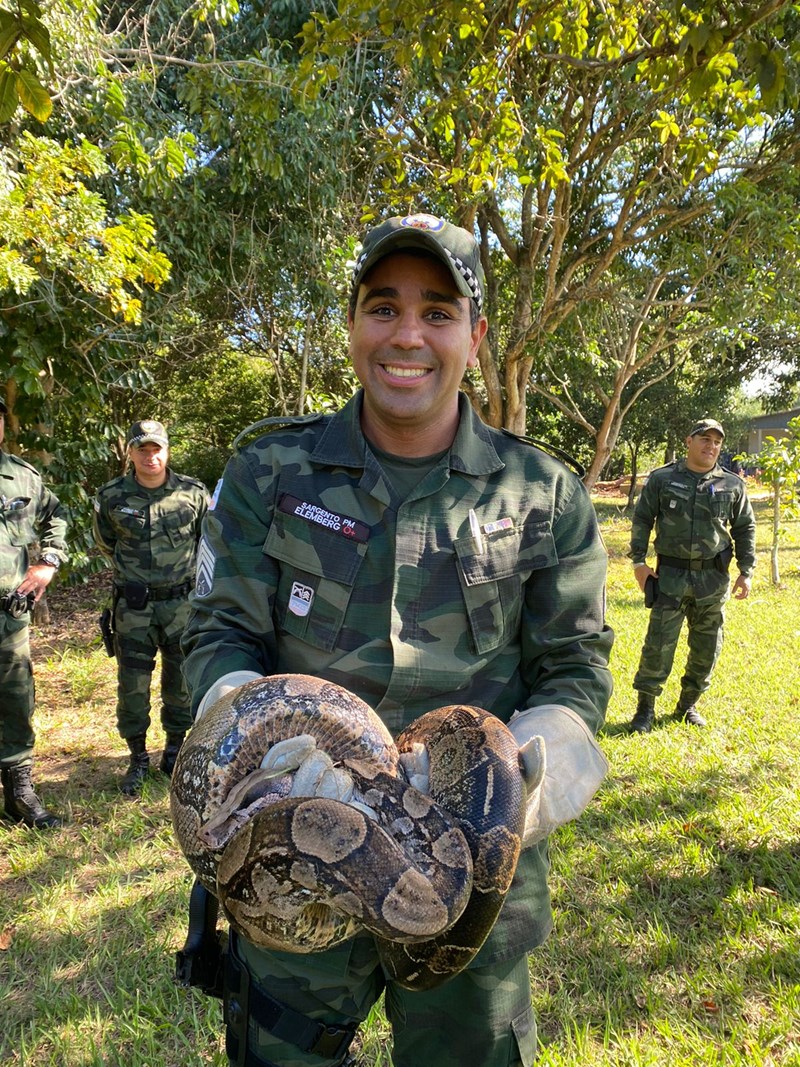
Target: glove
<point x="222" y="687"/>
<point x="417" y="767"/>
<point x="561" y="763"/>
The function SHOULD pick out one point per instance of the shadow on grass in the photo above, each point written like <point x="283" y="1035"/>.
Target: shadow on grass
<point x="668" y="915"/>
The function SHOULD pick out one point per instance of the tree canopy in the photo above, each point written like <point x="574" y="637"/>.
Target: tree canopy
<point x="200" y="177"/>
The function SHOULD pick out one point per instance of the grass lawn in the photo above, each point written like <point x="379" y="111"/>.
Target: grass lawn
<point x="677" y="895"/>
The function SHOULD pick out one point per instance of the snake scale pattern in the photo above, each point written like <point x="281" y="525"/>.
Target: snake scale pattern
<point x="302" y="873"/>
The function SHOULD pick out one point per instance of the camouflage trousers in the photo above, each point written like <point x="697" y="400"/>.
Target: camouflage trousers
<point x="16" y="692"/>
<point x="483" y="1015"/>
<point x="705" y="617"/>
<point x="139" y="634"/>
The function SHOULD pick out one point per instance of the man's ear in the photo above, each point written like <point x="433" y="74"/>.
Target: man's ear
<point x="478" y="334"/>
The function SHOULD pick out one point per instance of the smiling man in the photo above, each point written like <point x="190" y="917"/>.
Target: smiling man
<point x="701" y="515"/>
<point x="408" y="552"/>
<point x="147" y="523"/>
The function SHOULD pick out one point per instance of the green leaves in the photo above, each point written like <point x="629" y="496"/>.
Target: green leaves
<point x="19" y="82"/>
<point x="52" y="222"/>
<point x="33" y="96"/>
<point x="9" y="96"/>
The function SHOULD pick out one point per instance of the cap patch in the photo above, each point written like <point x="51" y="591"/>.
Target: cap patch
<point x="423" y="222"/>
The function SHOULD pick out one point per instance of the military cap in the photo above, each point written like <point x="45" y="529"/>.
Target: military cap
<point x="706" y="424"/>
<point x="3" y="408"/>
<point x="452" y="245"/>
<point x="143" y="432"/>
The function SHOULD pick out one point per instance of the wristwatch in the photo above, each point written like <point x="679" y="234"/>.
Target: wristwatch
<point x="51" y="559"/>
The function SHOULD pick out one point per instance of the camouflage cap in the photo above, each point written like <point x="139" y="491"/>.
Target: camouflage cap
<point x="143" y="432"/>
<point x="454" y="246"/>
<point x="706" y="424"/>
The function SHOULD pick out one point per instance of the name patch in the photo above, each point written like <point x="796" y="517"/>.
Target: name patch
<point x="330" y="520"/>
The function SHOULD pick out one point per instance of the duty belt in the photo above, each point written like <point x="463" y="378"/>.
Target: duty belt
<point x="687" y="564"/>
<point x="163" y="592"/>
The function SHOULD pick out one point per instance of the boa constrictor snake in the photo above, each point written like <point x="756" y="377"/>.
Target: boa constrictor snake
<point x="425" y="874"/>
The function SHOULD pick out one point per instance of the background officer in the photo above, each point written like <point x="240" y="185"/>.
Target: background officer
<point x="147" y="523"/>
<point x="701" y="515"/>
<point x="407" y="551"/>
<point x="28" y="513"/>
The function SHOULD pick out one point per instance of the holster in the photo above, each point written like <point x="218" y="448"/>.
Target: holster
<point x="200" y="962"/>
<point x="650" y="590"/>
<point x="245" y="999"/>
<point x="107" y="630"/>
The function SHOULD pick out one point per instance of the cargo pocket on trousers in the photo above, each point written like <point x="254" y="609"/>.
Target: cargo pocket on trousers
<point x="524" y="1028"/>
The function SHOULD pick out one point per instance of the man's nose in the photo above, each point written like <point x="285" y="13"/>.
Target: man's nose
<point x="408" y="332"/>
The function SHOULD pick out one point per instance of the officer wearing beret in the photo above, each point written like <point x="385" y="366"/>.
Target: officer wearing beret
<point x="147" y="523"/>
<point x="703" y="519"/>
<point x="407" y="551"/>
<point x="28" y="513"/>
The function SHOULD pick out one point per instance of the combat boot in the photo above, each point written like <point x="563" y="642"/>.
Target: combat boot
<point x="22" y="803"/>
<point x="642" y="721"/>
<point x="138" y="768"/>
<point x="687" y="711"/>
<point x="170" y="753"/>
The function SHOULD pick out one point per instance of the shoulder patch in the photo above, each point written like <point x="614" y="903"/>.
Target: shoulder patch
<point x="274" y="422"/>
<point x="551" y="450"/>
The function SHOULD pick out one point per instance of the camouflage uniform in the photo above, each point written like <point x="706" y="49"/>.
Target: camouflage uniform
<point x="310" y="563"/>
<point x="150" y="536"/>
<point x="28" y="512"/>
<point x="697" y="517"/>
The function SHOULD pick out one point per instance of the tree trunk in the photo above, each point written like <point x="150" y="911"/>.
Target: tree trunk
<point x="634" y="476"/>
<point x="776" y="524"/>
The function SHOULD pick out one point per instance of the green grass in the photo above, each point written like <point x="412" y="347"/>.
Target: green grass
<point x="677" y="895"/>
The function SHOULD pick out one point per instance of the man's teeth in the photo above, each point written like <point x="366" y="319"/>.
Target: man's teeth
<point x="406" y="372"/>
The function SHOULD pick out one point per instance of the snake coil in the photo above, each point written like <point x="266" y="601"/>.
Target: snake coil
<point x="425" y="874"/>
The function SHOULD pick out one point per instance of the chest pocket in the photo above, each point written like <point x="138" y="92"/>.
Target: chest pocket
<point x="721" y="505"/>
<point x="21" y="526"/>
<point x="178" y="526"/>
<point x="126" y="526"/>
<point x="318" y="570"/>
<point x="493" y="582"/>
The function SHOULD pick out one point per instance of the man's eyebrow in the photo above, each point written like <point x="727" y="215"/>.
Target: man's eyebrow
<point x="430" y="295"/>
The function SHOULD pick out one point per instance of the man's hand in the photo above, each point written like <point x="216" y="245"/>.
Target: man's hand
<point x="37" y="578"/>
<point x="642" y="572"/>
<point x="741" y="587"/>
<point x="562" y="766"/>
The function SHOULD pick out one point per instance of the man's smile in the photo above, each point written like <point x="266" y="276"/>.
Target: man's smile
<point x="405" y="372"/>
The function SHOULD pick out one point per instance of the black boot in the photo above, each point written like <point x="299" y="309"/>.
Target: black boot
<point x="138" y="768"/>
<point x="687" y="711"/>
<point x="22" y="803"/>
<point x="642" y="721"/>
<point x="170" y="753"/>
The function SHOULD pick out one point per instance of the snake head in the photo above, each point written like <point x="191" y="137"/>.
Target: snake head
<point x="252" y="794"/>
